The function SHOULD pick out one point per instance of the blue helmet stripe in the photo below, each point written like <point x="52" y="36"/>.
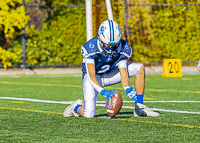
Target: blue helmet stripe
<point x="111" y="30"/>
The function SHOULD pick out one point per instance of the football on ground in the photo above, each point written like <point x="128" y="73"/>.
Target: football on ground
<point x="114" y="105"/>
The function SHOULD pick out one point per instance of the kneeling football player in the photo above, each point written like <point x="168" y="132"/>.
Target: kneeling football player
<point x="105" y="63"/>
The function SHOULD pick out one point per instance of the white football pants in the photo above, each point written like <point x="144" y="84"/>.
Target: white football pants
<point x="110" y="78"/>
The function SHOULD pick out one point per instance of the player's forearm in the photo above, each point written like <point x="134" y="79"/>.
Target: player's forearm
<point x="124" y="77"/>
<point x="123" y="73"/>
<point x="95" y="83"/>
<point x="91" y="73"/>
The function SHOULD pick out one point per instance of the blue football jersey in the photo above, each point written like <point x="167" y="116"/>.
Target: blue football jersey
<point x="103" y="62"/>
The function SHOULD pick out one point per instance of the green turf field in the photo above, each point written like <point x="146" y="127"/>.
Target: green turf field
<point x="23" y="119"/>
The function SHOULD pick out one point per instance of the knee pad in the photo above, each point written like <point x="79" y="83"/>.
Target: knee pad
<point x="134" y="69"/>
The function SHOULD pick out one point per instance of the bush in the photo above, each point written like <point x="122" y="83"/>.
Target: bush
<point x="12" y="20"/>
<point x="165" y="32"/>
<point x="60" y="40"/>
<point x="154" y="33"/>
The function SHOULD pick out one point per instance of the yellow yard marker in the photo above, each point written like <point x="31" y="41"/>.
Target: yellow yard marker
<point x="172" y="68"/>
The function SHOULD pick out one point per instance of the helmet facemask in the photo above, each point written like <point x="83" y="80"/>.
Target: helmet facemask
<point x="108" y="49"/>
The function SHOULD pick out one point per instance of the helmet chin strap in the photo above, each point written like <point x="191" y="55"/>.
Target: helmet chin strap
<point x="109" y="49"/>
<point x="109" y="52"/>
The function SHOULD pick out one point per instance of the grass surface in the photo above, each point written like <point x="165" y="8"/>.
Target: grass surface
<point x="28" y="121"/>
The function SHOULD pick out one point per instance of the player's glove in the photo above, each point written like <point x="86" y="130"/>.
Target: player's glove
<point x="108" y="94"/>
<point x="131" y="93"/>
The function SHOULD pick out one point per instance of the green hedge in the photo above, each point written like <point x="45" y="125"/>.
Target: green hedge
<point x="59" y="41"/>
<point x="166" y="32"/>
<point x="154" y="32"/>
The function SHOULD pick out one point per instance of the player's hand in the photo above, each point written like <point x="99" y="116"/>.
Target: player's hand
<point x="131" y="93"/>
<point x="108" y="94"/>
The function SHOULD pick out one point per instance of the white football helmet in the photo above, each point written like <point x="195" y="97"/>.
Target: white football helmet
<point x="109" y="34"/>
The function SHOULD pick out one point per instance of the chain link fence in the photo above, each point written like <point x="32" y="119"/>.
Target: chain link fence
<point x="154" y="30"/>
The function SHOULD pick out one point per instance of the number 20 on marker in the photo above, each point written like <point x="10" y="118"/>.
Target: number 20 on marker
<point x="172" y="68"/>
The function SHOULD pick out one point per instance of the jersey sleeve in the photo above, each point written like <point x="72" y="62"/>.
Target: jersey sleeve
<point x="88" y="52"/>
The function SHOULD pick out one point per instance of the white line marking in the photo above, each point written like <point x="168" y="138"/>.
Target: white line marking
<point x="173" y="101"/>
<point x="103" y="105"/>
<point x="157" y="101"/>
<point x="156" y="109"/>
<point x="70" y="102"/>
<point x="37" y="100"/>
<point x="174" y="111"/>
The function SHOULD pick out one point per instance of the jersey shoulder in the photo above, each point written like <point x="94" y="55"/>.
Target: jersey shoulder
<point x="90" y="47"/>
<point x="126" y="49"/>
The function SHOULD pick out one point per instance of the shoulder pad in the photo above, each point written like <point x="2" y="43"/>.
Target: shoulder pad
<point x="89" y="48"/>
<point x="126" y="49"/>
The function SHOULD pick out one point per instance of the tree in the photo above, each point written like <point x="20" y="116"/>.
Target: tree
<point x="13" y="19"/>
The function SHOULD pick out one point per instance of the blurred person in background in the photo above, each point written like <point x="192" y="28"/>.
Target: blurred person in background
<point x="105" y="63"/>
<point x="198" y="65"/>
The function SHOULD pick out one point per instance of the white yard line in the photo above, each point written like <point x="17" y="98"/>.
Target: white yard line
<point x="103" y="105"/>
<point x="174" y="111"/>
<point x="37" y="100"/>
<point x="157" y="101"/>
<point x="69" y="102"/>
<point x="156" y="109"/>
